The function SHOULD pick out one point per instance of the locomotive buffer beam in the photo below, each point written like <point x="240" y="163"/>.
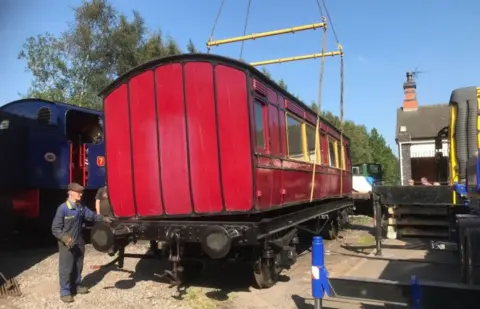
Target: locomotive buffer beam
<point x="430" y="294"/>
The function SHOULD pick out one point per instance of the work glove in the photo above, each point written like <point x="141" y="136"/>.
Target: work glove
<point x="67" y="240"/>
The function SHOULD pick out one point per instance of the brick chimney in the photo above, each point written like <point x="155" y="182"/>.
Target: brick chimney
<point x="410" y="102"/>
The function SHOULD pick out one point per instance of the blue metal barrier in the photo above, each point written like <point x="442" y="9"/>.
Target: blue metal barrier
<point x="320" y="284"/>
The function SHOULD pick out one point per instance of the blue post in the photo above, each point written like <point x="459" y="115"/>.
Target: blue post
<point x="416" y="297"/>
<point x="320" y="284"/>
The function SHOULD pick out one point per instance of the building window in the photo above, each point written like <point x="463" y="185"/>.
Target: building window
<point x="311" y="155"/>
<point x="294" y="138"/>
<point x="356" y="170"/>
<point x="259" y="125"/>
<point x="331" y="153"/>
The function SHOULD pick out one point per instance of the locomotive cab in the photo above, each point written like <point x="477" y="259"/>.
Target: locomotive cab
<point x="82" y="130"/>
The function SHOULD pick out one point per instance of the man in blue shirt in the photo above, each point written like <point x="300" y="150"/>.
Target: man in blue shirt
<point x="67" y="228"/>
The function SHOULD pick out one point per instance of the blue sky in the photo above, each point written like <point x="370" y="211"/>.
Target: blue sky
<point x="381" y="39"/>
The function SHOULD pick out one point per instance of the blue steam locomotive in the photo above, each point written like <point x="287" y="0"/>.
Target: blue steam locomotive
<point x="44" y="146"/>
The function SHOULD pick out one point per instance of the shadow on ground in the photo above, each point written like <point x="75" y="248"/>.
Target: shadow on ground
<point x="21" y="251"/>
<point x="222" y="279"/>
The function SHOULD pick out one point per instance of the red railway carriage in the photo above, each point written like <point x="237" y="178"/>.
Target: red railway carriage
<point x="207" y="135"/>
<point x="209" y="156"/>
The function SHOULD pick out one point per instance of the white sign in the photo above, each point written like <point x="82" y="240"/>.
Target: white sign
<point x="315" y="272"/>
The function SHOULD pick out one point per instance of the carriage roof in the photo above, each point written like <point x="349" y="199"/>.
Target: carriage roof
<point x="214" y="59"/>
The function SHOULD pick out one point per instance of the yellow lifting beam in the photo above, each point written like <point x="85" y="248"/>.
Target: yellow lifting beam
<point x="266" y="34"/>
<point x="304" y="57"/>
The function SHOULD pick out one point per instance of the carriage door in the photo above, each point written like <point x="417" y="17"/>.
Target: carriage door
<point x="82" y="129"/>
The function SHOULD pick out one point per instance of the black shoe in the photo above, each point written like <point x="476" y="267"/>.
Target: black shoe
<point x="67" y="299"/>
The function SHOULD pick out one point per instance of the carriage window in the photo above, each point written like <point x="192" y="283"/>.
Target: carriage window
<point x="331" y="153"/>
<point x="294" y="138"/>
<point x="311" y="145"/>
<point x="259" y="125"/>
<point x="83" y="128"/>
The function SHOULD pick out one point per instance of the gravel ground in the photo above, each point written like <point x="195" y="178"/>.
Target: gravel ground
<point x="138" y="286"/>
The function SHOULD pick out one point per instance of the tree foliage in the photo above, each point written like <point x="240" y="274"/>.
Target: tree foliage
<point x="280" y="82"/>
<point x="100" y="45"/>
<point x="367" y="147"/>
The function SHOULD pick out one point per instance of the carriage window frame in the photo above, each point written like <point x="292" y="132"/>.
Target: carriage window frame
<point x="316" y="145"/>
<point x="348" y="161"/>
<point x="341" y="156"/>
<point x="300" y="156"/>
<point x="332" y="144"/>
<point x="264" y="147"/>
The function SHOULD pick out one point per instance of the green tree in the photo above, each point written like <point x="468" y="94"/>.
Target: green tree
<point x="383" y="154"/>
<point x="191" y="47"/>
<point x="100" y="45"/>
<point x="266" y="72"/>
<point x="367" y="147"/>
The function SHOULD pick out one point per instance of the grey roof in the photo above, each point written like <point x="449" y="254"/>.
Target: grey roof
<point x="422" y="123"/>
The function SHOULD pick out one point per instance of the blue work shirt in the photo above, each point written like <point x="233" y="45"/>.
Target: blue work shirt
<point x="69" y="220"/>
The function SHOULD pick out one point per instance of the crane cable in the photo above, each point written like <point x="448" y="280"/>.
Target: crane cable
<point x="215" y="25"/>
<point x="322" y="66"/>
<point x="322" y="69"/>
<point x="245" y="27"/>
<point x="319" y="100"/>
<point x="343" y="163"/>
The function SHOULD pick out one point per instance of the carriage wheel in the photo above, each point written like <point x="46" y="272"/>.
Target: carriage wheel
<point x="265" y="273"/>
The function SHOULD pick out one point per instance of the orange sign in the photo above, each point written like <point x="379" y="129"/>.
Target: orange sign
<point x="101" y="161"/>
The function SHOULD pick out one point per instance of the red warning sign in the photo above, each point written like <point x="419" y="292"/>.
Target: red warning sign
<point x="101" y="161"/>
